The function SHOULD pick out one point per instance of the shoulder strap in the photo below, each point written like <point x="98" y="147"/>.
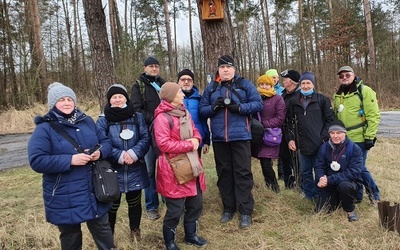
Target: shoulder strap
<point x="142" y="90"/>
<point x="359" y="93"/>
<point x="215" y="86"/>
<point x="76" y="146"/>
<point x="169" y="118"/>
<point x="238" y="83"/>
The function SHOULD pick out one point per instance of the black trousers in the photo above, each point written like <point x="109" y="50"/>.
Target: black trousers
<point x="133" y="198"/>
<point x="235" y="179"/>
<point x="190" y="206"/>
<point x="71" y="234"/>
<point x="343" y="194"/>
<point x="269" y="173"/>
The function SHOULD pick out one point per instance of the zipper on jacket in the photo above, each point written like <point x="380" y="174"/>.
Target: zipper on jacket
<point x="126" y="169"/>
<point x="226" y="117"/>
<point x="56" y="184"/>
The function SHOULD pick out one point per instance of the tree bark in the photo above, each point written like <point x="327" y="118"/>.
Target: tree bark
<point x="217" y="39"/>
<point x="191" y="36"/>
<point x="265" y="15"/>
<point x="100" y="48"/>
<point x="169" y="41"/>
<point x="370" y="38"/>
<point x="38" y="62"/>
<point x="302" y="38"/>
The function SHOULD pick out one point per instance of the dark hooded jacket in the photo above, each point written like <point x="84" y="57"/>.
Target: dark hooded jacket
<point x="67" y="190"/>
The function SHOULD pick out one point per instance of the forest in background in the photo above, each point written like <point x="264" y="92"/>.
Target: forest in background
<point x="89" y="44"/>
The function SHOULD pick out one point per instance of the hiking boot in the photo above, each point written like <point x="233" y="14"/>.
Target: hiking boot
<point x="245" y="221"/>
<point x="153" y="214"/>
<point x="226" y="217"/>
<point x="352" y="216"/>
<point x="135" y="234"/>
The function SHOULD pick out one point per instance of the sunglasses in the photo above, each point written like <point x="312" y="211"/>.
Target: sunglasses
<point x="285" y="73"/>
<point x="186" y="80"/>
<point x="347" y="75"/>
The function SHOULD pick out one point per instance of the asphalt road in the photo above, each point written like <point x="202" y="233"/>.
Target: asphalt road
<point x="13" y="148"/>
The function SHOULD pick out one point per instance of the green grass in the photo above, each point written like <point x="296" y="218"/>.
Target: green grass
<point x="281" y="221"/>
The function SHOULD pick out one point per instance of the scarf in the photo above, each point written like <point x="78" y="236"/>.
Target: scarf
<point x="186" y="132"/>
<point x="266" y="92"/>
<point x="71" y="118"/>
<point x="114" y="114"/>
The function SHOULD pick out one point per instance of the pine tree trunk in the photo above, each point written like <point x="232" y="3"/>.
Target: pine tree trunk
<point x="217" y="39"/>
<point x="100" y="48"/>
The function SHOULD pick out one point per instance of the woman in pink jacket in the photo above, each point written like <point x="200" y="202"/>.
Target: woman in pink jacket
<point x="176" y="134"/>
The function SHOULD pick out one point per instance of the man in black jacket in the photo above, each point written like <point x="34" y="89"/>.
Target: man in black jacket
<point x="145" y="99"/>
<point x="312" y="114"/>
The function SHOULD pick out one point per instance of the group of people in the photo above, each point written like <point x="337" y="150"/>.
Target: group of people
<point x="329" y="144"/>
<point x="332" y="142"/>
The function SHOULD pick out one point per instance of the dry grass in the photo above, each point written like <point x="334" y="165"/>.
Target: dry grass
<point x="283" y="221"/>
<point x="21" y="121"/>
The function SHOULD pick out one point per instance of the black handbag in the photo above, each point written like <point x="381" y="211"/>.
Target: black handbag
<point x="257" y="130"/>
<point x="105" y="182"/>
<point x="105" y="178"/>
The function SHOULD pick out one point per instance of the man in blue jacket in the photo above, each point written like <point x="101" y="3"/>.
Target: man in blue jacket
<point x="228" y="102"/>
<point x="338" y="171"/>
<point x="192" y="102"/>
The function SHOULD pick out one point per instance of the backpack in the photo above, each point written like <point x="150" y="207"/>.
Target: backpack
<point x="156" y="149"/>
<point x="142" y="91"/>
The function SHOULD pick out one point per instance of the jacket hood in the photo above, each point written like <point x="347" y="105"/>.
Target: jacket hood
<point x="52" y="116"/>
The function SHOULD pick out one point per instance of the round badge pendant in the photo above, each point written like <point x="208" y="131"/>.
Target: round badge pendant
<point x="126" y="134"/>
<point x="335" y="166"/>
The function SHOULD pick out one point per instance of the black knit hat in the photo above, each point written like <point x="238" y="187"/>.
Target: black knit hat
<point x="292" y="74"/>
<point x="186" y="72"/>
<point x="337" y="125"/>
<point x="117" y="89"/>
<point x="151" y="60"/>
<point x="225" y="60"/>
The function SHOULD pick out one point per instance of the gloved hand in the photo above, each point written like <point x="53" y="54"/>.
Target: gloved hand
<point x="233" y="107"/>
<point x="218" y="104"/>
<point x="368" y="144"/>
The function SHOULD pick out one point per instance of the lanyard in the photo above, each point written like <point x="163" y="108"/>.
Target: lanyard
<point x="339" y="155"/>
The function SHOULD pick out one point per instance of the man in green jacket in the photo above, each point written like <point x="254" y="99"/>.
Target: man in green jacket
<point x="355" y="104"/>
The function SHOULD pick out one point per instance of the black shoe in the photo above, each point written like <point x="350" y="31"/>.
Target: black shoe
<point x="226" y="217"/>
<point x="245" y="221"/>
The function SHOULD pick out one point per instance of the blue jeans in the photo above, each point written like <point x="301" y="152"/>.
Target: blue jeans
<point x="151" y="196"/>
<point x="368" y="181"/>
<point x="308" y="184"/>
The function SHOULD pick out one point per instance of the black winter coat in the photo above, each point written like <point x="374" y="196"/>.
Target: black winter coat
<point x="310" y="124"/>
<point x="148" y="101"/>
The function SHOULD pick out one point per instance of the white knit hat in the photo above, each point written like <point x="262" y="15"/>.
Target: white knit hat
<point x="57" y="90"/>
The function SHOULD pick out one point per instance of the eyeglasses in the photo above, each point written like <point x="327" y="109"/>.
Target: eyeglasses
<point x="189" y="80"/>
<point x="347" y="75"/>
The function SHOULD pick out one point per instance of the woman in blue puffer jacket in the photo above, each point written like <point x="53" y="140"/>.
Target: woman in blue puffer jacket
<point x="67" y="175"/>
<point x="129" y="137"/>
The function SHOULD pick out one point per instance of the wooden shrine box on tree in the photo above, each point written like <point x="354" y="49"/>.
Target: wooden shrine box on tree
<point x="212" y="10"/>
